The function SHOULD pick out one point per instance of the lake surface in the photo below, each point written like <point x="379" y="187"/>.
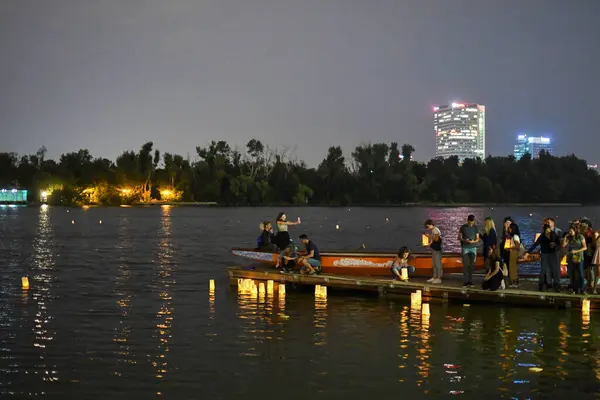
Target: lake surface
<point x="119" y="308"/>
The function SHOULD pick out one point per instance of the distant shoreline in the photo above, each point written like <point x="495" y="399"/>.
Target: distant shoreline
<point x="407" y="205"/>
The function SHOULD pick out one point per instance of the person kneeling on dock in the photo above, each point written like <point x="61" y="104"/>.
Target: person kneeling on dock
<point x="311" y="262"/>
<point x="496" y="271"/>
<point x="288" y="259"/>
<point x="400" y="263"/>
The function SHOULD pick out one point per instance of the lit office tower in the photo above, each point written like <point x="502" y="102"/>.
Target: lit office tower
<point x="532" y="145"/>
<point x="459" y="130"/>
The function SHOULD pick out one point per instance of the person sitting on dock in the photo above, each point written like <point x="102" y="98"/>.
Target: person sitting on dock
<point x="468" y="236"/>
<point x="549" y="243"/>
<point x="311" y="262"/>
<point x="400" y="263"/>
<point x="496" y="271"/>
<point x="266" y="239"/>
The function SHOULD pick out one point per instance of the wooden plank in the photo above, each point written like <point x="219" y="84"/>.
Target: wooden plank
<point x="451" y="290"/>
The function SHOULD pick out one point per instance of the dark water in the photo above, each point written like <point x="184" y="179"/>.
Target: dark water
<point x="121" y="309"/>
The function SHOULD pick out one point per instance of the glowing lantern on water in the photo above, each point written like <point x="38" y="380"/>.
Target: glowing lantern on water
<point x="281" y="290"/>
<point x="261" y="288"/>
<point x="585" y="307"/>
<point x="425" y="240"/>
<point x="415" y="300"/>
<point x="211" y="285"/>
<point x="270" y="286"/>
<point x="25" y="282"/>
<point x="425" y="309"/>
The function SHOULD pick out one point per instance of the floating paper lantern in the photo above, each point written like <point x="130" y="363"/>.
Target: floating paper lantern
<point x="337" y="227"/>
<point x="425" y="309"/>
<point x="281" y="290"/>
<point x="270" y="286"/>
<point x="25" y="282"/>
<point x="585" y="306"/>
<point x="404" y="274"/>
<point x="211" y="285"/>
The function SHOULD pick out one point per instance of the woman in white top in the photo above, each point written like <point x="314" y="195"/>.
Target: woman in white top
<point x="283" y="237"/>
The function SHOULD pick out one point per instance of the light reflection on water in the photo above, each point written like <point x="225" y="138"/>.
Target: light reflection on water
<point x="121" y="310"/>
<point x="42" y="268"/>
<point x="123" y="352"/>
<point x="164" y="280"/>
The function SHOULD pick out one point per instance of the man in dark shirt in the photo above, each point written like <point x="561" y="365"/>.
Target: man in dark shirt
<point x="311" y="262"/>
<point x="549" y="243"/>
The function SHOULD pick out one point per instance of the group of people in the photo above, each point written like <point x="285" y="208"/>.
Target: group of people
<point x="580" y="244"/>
<point x="288" y="258"/>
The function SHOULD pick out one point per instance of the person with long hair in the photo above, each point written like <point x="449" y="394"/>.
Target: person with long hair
<point x="283" y="236"/>
<point x="489" y="237"/>
<point x="402" y="261"/>
<point x="576" y="246"/>
<point x="494" y="278"/>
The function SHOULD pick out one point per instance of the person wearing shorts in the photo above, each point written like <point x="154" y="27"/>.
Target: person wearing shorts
<point x="311" y="262"/>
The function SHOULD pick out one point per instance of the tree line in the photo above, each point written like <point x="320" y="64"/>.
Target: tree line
<point x="259" y="175"/>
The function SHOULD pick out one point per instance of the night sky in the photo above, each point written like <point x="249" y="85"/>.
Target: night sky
<point x="109" y="75"/>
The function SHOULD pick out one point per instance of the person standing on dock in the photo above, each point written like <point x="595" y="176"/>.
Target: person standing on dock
<point x="435" y="244"/>
<point x="596" y="263"/>
<point x="468" y="236"/>
<point x="311" y="262"/>
<point x="549" y="243"/>
<point x="575" y="244"/>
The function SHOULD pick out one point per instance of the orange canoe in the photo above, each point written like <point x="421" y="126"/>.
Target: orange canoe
<point x="368" y="263"/>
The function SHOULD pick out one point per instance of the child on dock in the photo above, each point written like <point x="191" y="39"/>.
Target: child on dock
<point x="401" y="262"/>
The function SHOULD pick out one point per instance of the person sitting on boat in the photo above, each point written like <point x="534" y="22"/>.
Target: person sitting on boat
<point x="283" y="237"/>
<point x="266" y="239"/>
<point x="435" y="244"/>
<point x="401" y="262"/>
<point x="311" y="262"/>
<point x="496" y="270"/>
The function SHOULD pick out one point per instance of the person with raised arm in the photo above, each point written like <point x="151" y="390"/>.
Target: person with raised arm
<point x="283" y="236"/>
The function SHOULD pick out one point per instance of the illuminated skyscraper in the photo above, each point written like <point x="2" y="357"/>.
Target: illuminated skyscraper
<point x="532" y="145"/>
<point x="459" y="130"/>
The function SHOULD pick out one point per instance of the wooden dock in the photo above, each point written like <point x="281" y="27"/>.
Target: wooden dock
<point x="450" y="291"/>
